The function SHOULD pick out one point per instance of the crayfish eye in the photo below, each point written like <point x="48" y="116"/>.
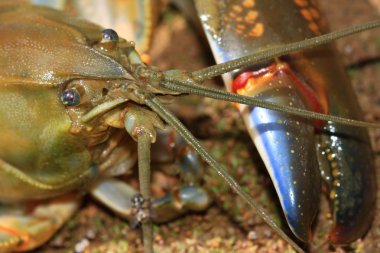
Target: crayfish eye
<point x="110" y="35"/>
<point x="70" y="97"/>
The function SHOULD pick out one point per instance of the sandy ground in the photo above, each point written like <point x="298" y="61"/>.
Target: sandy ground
<point x="229" y="225"/>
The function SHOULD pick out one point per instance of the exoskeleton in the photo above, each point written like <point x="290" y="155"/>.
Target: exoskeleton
<point x="71" y="108"/>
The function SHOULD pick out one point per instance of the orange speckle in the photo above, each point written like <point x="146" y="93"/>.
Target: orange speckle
<point x="251" y="17"/>
<point x="301" y="3"/>
<point x="333" y="194"/>
<point x="239" y="19"/>
<point x="306" y="14"/>
<point x="335" y="172"/>
<point x="240" y="27"/>
<point x="336" y="182"/>
<point x="314" y="28"/>
<point x="314" y="13"/>
<point x="232" y="15"/>
<point x="257" y="31"/>
<point x="249" y="3"/>
<point x="237" y="8"/>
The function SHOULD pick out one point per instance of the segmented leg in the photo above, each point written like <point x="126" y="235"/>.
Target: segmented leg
<point x="173" y="155"/>
<point x="143" y="143"/>
<point x="141" y="124"/>
<point x="117" y="195"/>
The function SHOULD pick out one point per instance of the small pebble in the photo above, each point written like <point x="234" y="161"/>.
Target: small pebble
<point x="252" y="235"/>
<point x="268" y="233"/>
<point x="90" y="234"/>
<point x="82" y="245"/>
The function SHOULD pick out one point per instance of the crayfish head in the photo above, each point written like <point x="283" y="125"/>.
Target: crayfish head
<point x="96" y="106"/>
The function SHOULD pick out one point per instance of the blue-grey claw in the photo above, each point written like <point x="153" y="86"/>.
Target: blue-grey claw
<point x="347" y="167"/>
<point x="184" y="200"/>
<point x="287" y="146"/>
<point x="117" y="195"/>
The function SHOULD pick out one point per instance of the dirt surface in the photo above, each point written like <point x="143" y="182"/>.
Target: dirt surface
<point x="229" y="225"/>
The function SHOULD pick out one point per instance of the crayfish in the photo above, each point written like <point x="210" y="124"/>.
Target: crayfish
<point x="73" y="105"/>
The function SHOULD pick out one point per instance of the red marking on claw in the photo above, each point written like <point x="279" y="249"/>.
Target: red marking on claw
<point x="241" y="81"/>
<point x="276" y="69"/>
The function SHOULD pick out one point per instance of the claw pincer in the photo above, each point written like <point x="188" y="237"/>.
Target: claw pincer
<point x="286" y="144"/>
<point x="298" y="153"/>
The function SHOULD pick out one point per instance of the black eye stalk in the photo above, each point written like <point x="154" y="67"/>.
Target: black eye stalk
<point x="109" y="40"/>
<point x="110" y="35"/>
<point x="70" y="97"/>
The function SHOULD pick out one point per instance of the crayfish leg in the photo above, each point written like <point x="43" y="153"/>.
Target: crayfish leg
<point x="117" y="196"/>
<point x="27" y="226"/>
<point x="172" y="155"/>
